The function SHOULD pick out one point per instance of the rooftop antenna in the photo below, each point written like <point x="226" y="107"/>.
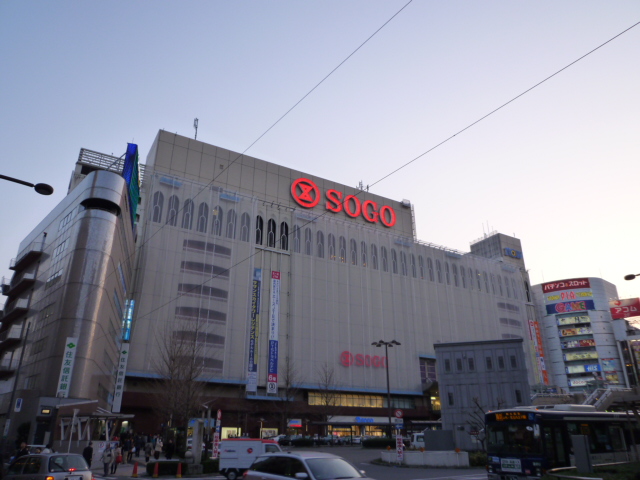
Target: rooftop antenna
<point x="195" y="125"/>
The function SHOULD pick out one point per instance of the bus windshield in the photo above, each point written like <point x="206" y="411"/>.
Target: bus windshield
<point x="513" y="438"/>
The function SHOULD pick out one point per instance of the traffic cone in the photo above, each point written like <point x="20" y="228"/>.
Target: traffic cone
<point x="155" y="470"/>
<point x="179" y="473"/>
<point x="135" y="470"/>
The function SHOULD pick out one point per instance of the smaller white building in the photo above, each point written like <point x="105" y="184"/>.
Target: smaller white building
<point x="580" y="346"/>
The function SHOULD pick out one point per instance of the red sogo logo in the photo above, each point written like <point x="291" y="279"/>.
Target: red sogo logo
<point x="307" y="194"/>
<point x="348" y="359"/>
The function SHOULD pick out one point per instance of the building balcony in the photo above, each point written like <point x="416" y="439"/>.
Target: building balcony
<point x="18" y="284"/>
<point x="15" y="309"/>
<point x="27" y="256"/>
<point x="5" y="286"/>
<point x="11" y="337"/>
<point x="8" y="368"/>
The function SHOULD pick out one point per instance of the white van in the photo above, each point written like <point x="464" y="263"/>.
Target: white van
<point x="237" y="454"/>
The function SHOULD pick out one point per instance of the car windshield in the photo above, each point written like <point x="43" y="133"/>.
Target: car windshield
<point x="332" y="468"/>
<point x="64" y="463"/>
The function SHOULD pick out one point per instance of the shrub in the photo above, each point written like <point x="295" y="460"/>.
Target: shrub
<point x="302" y="442"/>
<point x="477" y="459"/>
<point x="166" y="468"/>
<point x="379" y="442"/>
<point x="210" y="465"/>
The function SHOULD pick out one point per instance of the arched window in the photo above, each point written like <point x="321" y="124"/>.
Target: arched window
<point x="414" y="273"/>
<point x="463" y="278"/>
<point x="486" y="282"/>
<point x="454" y="268"/>
<point x="479" y="280"/>
<point x="515" y="289"/>
<point x="308" y="242"/>
<point x="394" y="261"/>
<point x="353" y="251"/>
<point x="527" y="292"/>
<point x="363" y="252"/>
<point x="430" y="268"/>
<point x="421" y="266"/>
<point x="403" y="264"/>
<point x="203" y="217"/>
<point x="259" y="230"/>
<point x="446" y="273"/>
<point x="230" y="231"/>
<point x="187" y="215"/>
<point x="296" y="239"/>
<point x="331" y="245"/>
<point x="470" y="279"/>
<point x="493" y="284"/>
<point x="500" y="285"/>
<point x="384" y="259"/>
<point x="245" y="227"/>
<point x="218" y="217"/>
<point x="507" y="287"/>
<point x="158" y="200"/>
<point x="284" y="236"/>
<point x="172" y="210"/>
<point x="374" y="256"/>
<point x="439" y="271"/>
<point x="343" y="249"/>
<point x="271" y="233"/>
<point x="320" y="244"/>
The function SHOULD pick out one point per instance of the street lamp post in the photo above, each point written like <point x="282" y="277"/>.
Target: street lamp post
<point x="386" y="345"/>
<point x="631" y="276"/>
<point x="41" y="188"/>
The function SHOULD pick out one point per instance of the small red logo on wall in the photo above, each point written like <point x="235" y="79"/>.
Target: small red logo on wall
<point x="307" y="194"/>
<point x="348" y="359"/>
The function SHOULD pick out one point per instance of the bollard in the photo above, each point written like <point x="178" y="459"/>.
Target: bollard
<point x="135" y="470"/>
<point x="155" y="470"/>
<point x="179" y="473"/>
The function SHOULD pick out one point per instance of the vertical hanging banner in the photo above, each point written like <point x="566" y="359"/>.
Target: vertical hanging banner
<point x="274" y="317"/>
<point x="252" y="364"/>
<point x="122" y="368"/>
<point x="66" y="370"/>
<point x="216" y="435"/>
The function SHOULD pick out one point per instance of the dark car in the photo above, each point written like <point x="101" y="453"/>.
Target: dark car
<point x="302" y="465"/>
<point x="50" y="466"/>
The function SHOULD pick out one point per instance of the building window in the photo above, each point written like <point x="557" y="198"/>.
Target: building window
<point x="331" y="245"/>
<point x="394" y="261"/>
<point x="384" y="260"/>
<point x="343" y="249"/>
<point x="231" y="224"/>
<point x="414" y="273"/>
<point x="526" y="291"/>
<point x="284" y="236"/>
<point x="459" y="364"/>
<point x="296" y="239"/>
<point x="439" y="271"/>
<point x="500" y="362"/>
<point x="486" y="282"/>
<point x="172" y="210"/>
<point x="515" y="289"/>
<point x="158" y="200"/>
<point x="507" y="287"/>
<point x="271" y="233"/>
<point x="245" y="227"/>
<point x="353" y="251"/>
<point x="363" y="252"/>
<point x="374" y="256"/>
<point x="308" y="242"/>
<point x="447" y="365"/>
<point x="203" y="217"/>
<point x="463" y="278"/>
<point x="471" y="363"/>
<point x="217" y="222"/>
<point x="430" y="268"/>
<point x="421" y="266"/>
<point x="403" y="264"/>
<point x="518" y="397"/>
<point x="320" y="243"/>
<point x="493" y="284"/>
<point x="450" y="398"/>
<point x="428" y="371"/>
<point x="514" y="362"/>
<point x="455" y="274"/>
<point x="259" y="229"/>
<point x="500" y="286"/>
<point x="187" y="215"/>
<point x="470" y="279"/>
<point x="446" y="273"/>
<point x="479" y="280"/>
<point x="489" y="363"/>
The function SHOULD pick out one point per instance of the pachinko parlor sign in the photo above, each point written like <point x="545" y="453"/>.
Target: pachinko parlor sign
<point x="307" y="194"/>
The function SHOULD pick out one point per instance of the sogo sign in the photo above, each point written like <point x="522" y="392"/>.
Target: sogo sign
<point x="307" y="194"/>
<point x="348" y="359"/>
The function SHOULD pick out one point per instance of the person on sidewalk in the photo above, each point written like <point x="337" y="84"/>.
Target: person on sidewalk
<point x="106" y="459"/>
<point x="170" y="449"/>
<point x="158" y="448"/>
<point x="117" y="454"/>
<point x="87" y="453"/>
<point x="148" y="451"/>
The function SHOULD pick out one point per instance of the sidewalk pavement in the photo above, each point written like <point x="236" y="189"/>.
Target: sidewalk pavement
<point x="125" y="470"/>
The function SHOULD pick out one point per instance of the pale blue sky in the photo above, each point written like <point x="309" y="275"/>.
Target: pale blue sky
<point x="558" y="168"/>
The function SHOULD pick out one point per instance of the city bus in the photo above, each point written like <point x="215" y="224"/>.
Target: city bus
<point x="525" y="442"/>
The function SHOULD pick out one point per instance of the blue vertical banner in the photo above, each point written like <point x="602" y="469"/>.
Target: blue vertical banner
<point x="252" y="364"/>
<point x="274" y="318"/>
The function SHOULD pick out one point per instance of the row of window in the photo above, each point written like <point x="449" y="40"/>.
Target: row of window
<point x="518" y="397"/>
<point x="471" y="363"/>
<point x="387" y="260"/>
<point x="357" y="400"/>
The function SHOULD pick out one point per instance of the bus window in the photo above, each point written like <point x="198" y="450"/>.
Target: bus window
<point x="554" y="447"/>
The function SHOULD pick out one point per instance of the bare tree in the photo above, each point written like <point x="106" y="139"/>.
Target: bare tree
<point x="327" y="390"/>
<point x="180" y="364"/>
<point x="287" y="391"/>
<point x="476" y="422"/>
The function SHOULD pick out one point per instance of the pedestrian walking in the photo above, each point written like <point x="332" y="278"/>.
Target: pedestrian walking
<point x="158" y="448"/>
<point x="106" y="459"/>
<point x="170" y="449"/>
<point x="148" y="451"/>
<point x="117" y="453"/>
<point x="126" y="448"/>
<point x="87" y="453"/>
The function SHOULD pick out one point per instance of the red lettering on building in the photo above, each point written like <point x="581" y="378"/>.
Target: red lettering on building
<point x="307" y="194"/>
<point x="348" y="359"/>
